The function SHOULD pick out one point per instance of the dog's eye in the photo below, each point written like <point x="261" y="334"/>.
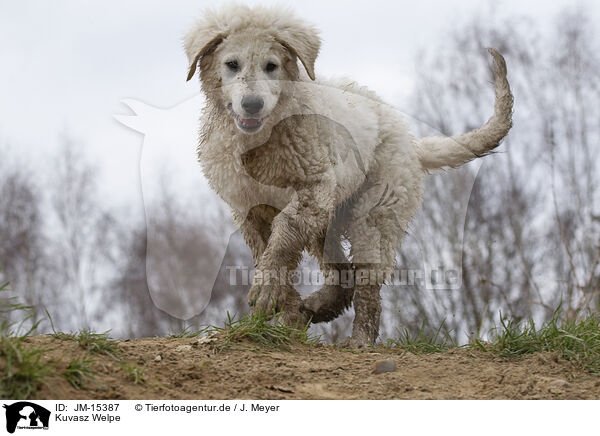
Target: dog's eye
<point x="270" y="67"/>
<point x="232" y="65"/>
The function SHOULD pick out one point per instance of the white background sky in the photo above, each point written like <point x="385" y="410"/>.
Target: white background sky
<point x="66" y="65"/>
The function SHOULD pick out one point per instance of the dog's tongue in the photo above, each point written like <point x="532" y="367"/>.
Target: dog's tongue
<point x="250" y="122"/>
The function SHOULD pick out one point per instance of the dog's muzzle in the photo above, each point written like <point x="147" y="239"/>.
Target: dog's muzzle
<point x="247" y="124"/>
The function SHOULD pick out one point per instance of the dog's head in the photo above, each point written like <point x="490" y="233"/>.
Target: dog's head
<point x="246" y="56"/>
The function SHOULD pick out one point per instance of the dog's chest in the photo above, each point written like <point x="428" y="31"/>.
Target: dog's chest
<point x="286" y="160"/>
<point x="227" y="176"/>
<point x="269" y="167"/>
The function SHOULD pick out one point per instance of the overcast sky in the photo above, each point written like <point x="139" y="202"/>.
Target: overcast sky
<point x="66" y="65"/>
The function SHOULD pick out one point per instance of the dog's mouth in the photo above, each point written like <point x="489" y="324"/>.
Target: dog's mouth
<point x="246" y="124"/>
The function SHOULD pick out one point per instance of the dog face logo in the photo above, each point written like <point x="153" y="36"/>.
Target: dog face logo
<point x="26" y="415"/>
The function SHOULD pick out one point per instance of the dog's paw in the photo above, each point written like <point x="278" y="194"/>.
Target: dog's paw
<point x="356" y="341"/>
<point x="327" y="303"/>
<point x="253" y="294"/>
<point x="354" y="344"/>
<point x="294" y="318"/>
<point x="271" y="298"/>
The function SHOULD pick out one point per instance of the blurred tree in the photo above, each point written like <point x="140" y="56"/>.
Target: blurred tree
<point x="183" y="261"/>
<point x="531" y="234"/>
<point x="83" y="233"/>
<point x="23" y="257"/>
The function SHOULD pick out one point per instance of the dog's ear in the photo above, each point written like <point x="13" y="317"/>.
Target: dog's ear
<point x="200" y="41"/>
<point x="304" y="42"/>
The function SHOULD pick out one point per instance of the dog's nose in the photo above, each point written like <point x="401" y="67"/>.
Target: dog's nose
<point x="252" y="104"/>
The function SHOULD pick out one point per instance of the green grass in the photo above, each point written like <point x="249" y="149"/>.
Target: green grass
<point x="97" y="343"/>
<point x="575" y="340"/>
<point x="261" y="330"/>
<point x="61" y="336"/>
<point x="9" y="306"/>
<point x="135" y="373"/>
<point x="22" y="369"/>
<point x="188" y="332"/>
<point x="421" y="342"/>
<point x="79" y="371"/>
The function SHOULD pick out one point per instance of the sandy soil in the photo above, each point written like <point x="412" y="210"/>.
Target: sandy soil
<point x="189" y="370"/>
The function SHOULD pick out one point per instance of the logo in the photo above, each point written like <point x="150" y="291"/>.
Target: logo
<point x="26" y="415"/>
<point x="171" y="135"/>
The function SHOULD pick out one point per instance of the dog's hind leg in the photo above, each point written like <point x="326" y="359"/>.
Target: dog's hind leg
<point x="368" y="278"/>
<point x="331" y="300"/>
<point x="381" y="218"/>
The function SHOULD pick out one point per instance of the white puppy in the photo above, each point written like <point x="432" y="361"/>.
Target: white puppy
<point x="306" y="164"/>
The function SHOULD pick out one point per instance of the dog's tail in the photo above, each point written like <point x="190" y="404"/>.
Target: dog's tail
<point x="439" y="151"/>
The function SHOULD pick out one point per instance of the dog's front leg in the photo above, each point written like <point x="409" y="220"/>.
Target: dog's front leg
<point x="255" y="227"/>
<point x="252" y="235"/>
<point x="305" y="218"/>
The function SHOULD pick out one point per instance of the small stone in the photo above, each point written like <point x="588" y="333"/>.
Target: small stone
<point x="206" y="339"/>
<point x="281" y="389"/>
<point x="559" y="384"/>
<point x="384" y="366"/>
<point x="184" y="348"/>
<point x="158" y="358"/>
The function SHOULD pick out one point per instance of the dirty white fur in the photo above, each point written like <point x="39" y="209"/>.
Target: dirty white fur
<point x="322" y="161"/>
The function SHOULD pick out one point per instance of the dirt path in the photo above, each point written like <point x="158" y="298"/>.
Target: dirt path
<point x="188" y="370"/>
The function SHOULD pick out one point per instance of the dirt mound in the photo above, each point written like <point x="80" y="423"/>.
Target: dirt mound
<point x="184" y="369"/>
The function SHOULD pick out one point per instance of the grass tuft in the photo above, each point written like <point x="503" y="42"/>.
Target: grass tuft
<point x="22" y="369"/>
<point x="421" y="342"/>
<point x="97" y="343"/>
<point x="78" y="371"/>
<point x="61" y="336"/>
<point x="575" y="340"/>
<point x="134" y="373"/>
<point x="262" y="330"/>
<point x="188" y="332"/>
